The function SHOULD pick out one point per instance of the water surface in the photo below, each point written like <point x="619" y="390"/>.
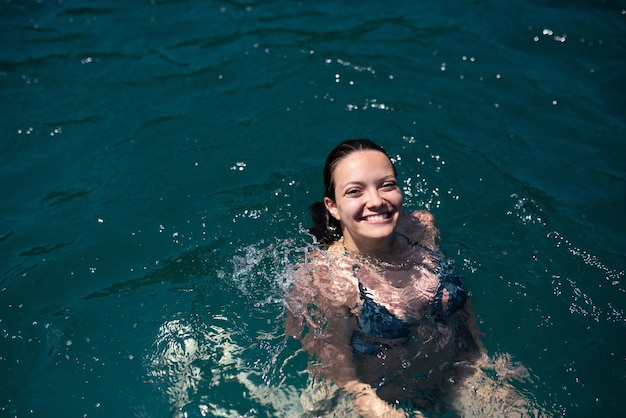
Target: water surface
<point x="158" y="158"/>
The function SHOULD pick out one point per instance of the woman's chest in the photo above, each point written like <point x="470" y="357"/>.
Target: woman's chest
<point x="406" y="293"/>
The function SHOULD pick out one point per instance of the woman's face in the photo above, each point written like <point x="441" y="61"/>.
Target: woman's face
<point x="368" y="201"/>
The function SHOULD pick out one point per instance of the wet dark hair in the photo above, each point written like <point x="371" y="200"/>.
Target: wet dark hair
<point x="327" y="229"/>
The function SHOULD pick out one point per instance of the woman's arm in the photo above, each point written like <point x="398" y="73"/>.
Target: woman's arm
<point x="325" y="327"/>
<point x="493" y="390"/>
<point x="333" y="351"/>
<point x="469" y="346"/>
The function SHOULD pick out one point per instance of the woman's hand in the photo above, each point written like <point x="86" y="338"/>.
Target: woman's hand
<point x="367" y="404"/>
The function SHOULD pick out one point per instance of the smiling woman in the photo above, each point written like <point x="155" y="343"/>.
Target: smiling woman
<point x="381" y="309"/>
<point x="367" y="201"/>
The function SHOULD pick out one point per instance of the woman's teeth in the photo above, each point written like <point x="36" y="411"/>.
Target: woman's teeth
<point x="378" y="217"/>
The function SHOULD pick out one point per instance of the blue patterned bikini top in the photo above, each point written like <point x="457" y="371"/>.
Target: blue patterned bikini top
<point x="376" y="322"/>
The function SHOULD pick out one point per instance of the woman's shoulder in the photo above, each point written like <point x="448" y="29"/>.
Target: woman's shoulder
<point x="327" y="272"/>
<point x="331" y="255"/>
<point x="420" y="227"/>
<point x="423" y="216"/>
<point x="322" y="262"/>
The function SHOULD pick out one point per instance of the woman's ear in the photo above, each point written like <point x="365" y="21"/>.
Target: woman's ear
<point x="331" y="207"/>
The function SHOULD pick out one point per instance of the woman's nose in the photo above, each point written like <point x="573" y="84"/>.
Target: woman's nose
<point x="374" y="199"/>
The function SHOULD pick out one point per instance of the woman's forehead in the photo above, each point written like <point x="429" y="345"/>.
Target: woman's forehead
<point x="366" y="164"/>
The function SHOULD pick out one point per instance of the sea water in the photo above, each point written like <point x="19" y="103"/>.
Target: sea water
<point x="158" y="159"/>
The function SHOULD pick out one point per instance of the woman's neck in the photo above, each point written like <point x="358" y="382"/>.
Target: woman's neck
<point x="379" y="248"/>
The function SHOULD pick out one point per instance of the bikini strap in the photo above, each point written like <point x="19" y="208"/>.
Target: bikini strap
<point x="415" y="243"/>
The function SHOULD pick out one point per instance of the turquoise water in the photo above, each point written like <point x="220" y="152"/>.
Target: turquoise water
<point x="157" y="159"/>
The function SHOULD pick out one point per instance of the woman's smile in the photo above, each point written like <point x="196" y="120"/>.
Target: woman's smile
<point x="377" y="217"/>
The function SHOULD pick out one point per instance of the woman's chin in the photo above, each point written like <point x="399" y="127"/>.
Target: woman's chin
<point x="381" y="236"/>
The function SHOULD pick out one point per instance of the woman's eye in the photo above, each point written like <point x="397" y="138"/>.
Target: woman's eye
<point x="352" y="192"/>
<point x="390" y="185"/>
